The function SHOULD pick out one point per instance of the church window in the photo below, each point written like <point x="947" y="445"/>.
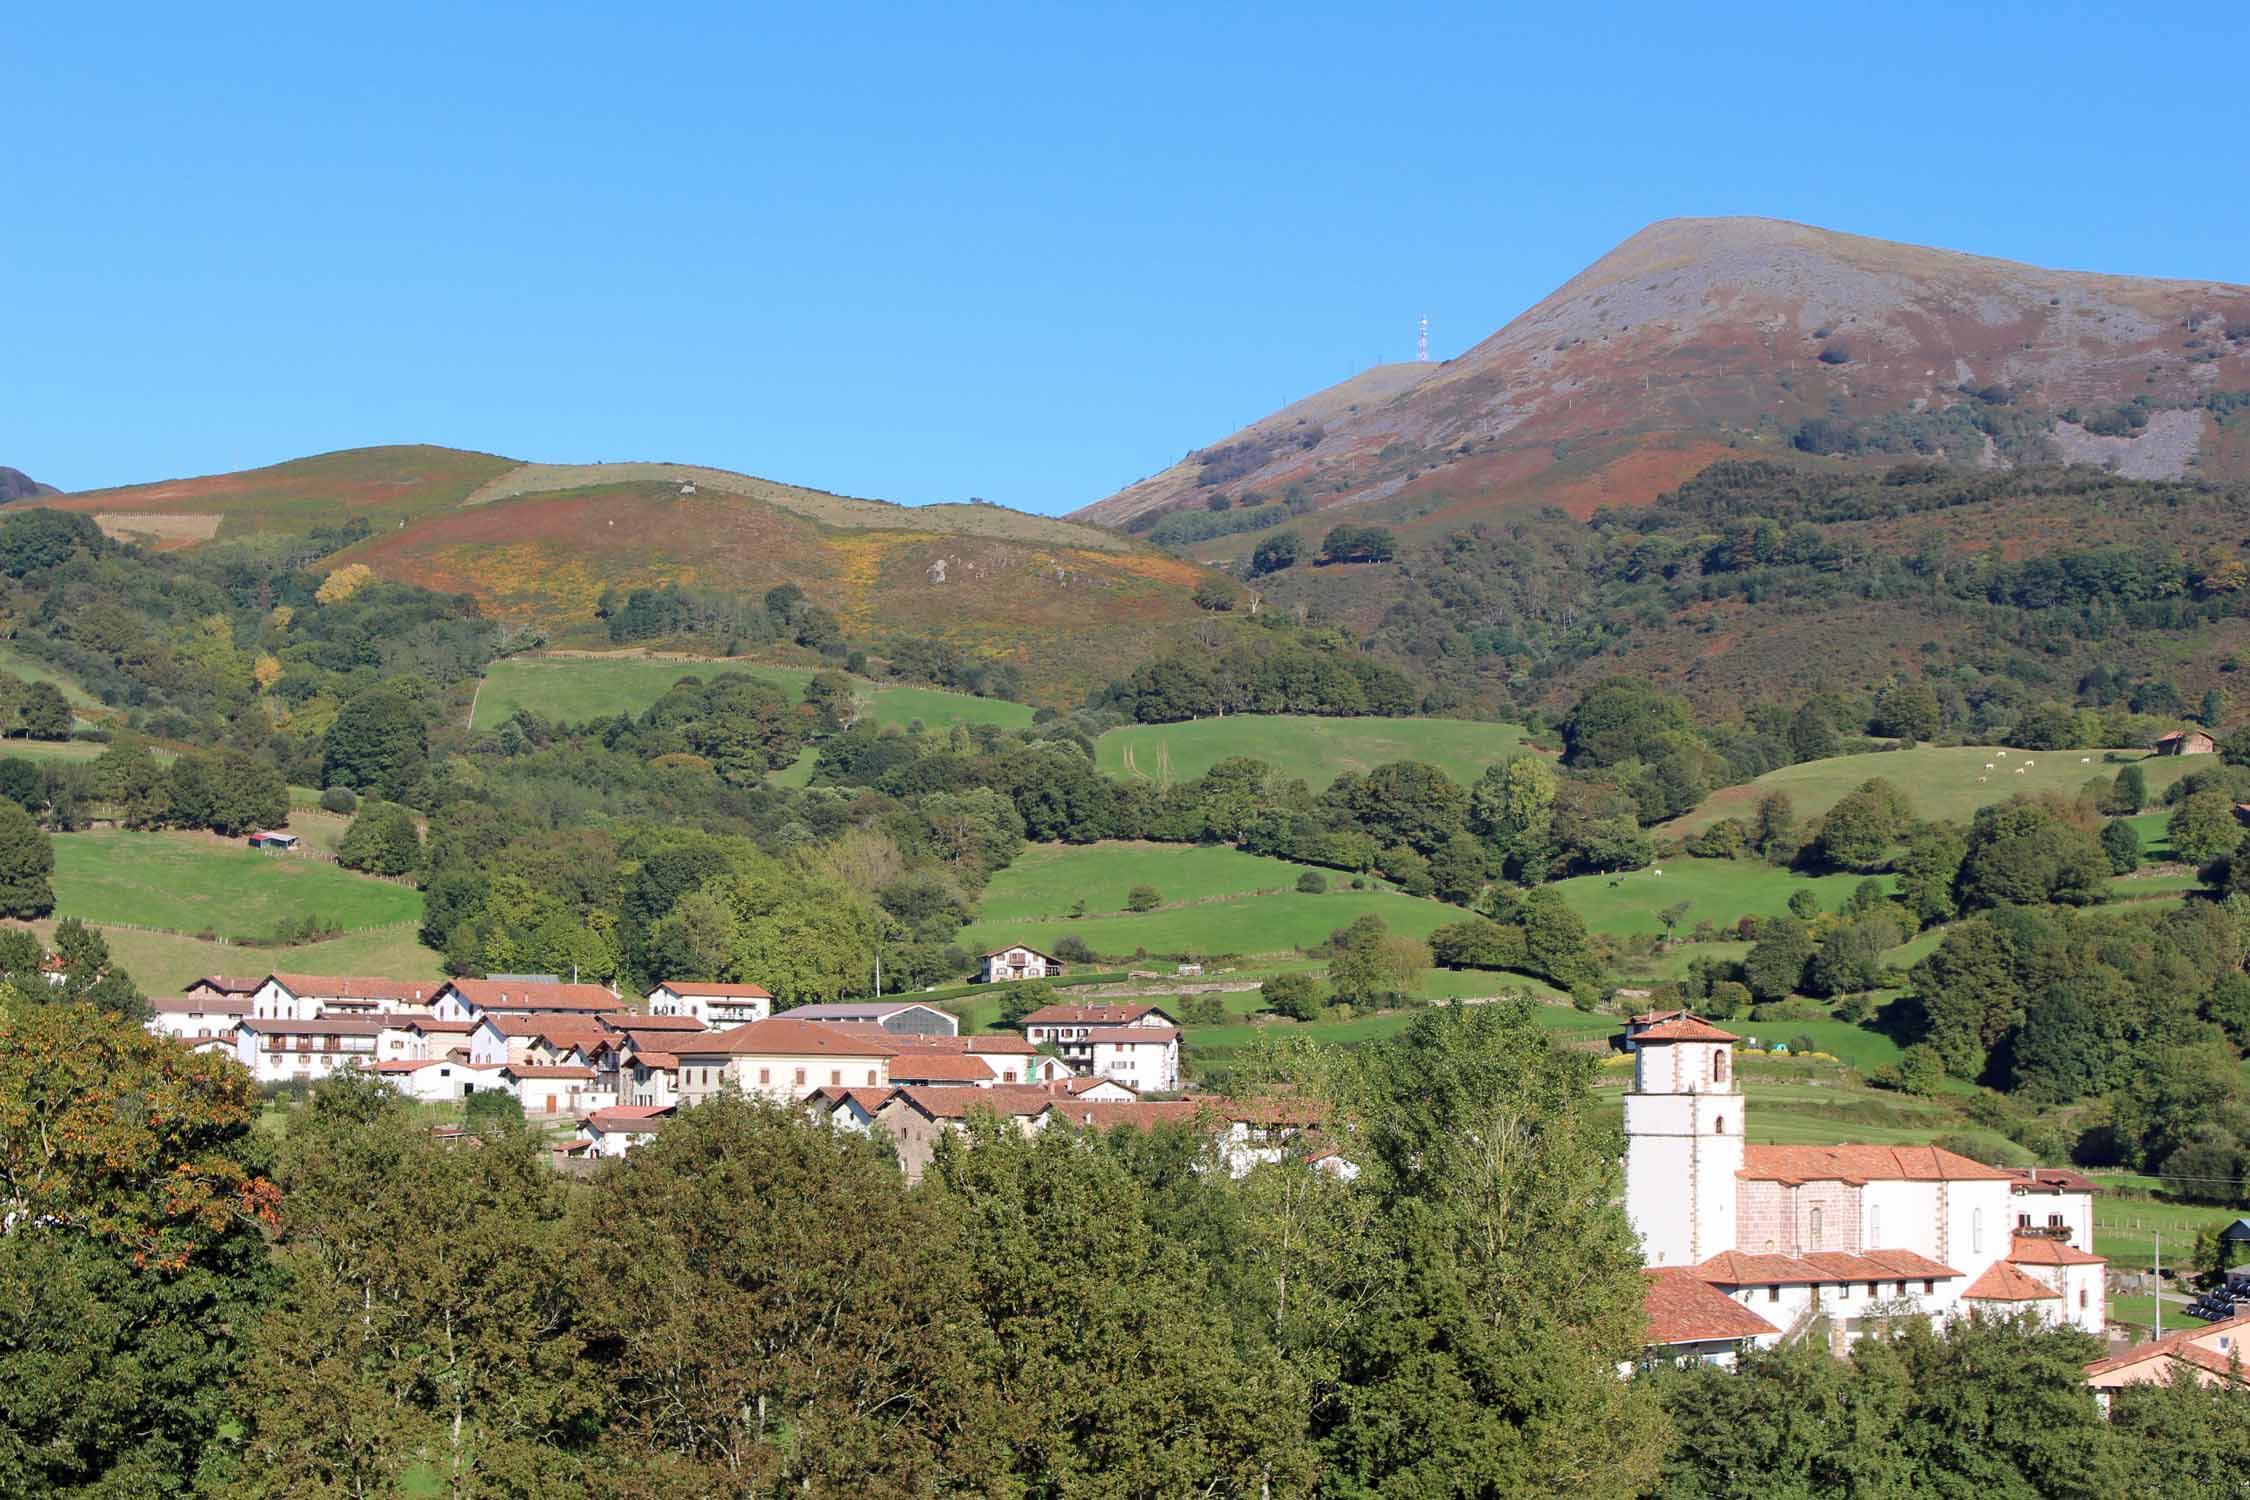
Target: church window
<point x="1816" y="1228"/>
<point x="1976" y="1231"/>
<point x="1719" y="1064"/>
<point x="1722" y="1124"/>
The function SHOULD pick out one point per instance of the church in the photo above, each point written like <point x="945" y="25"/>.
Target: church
<point x="1751" y="1245"/>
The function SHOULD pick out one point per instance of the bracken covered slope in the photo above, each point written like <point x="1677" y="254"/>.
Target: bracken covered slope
<point x="538" y="544"/>
<point x="1701" y="339"/>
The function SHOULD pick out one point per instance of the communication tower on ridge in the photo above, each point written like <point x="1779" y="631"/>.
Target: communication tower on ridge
<point x="1422" y="342"/>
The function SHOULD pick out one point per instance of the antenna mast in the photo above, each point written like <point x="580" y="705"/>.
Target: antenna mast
<point x="1422" y="342"/>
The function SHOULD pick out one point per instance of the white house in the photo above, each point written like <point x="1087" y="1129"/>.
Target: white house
<point x="902" y="1017"/>
<point x="1851" y="1234"/>
<point x="410" y="1038"/>
<point x="281" y="1050"/>
<point x="620" y="1127"/>
<point x="1017" y="962"/>
<point x="472" y="999"/>
<point x="197" y="1018"/>
<point x="496" y="1040"/>
<point x="1690" y="1321"/>
<point x="437" y="1079"/>
<point x="1068" y="1029"/>
<point x="554" y="1088"/>
<point x="2053" y="1203"/>
<point x="847" y="1108"/>
<point x="1145" y="1057"/>
<point x="716" y="1006"/>
<point x="780" y="1059"/>
<point x="304" y="997"/>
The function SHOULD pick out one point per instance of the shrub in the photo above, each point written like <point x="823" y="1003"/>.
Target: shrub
<point x="1296" y="995"/>
<point x="1837" y="352"/>
<point x="1143" y="898"/>
<point x="1073" y="950"/>
<point x="1312" y="883"/>
<point x="338" y="799"/>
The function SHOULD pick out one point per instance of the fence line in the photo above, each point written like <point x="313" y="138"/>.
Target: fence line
<point x="243" y="942"/>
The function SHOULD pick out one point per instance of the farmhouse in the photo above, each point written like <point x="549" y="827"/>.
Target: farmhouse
<point x="499" y="1040"/>
<point x="285" y="1050"/>
<point x="1018" y="962"/>
<point x="903" y="1017"/>
<point x="2215" y="1354"/>
<point x="1840" y="1236"/>
<point x="847" y="1108"/>
<point x="779" y="1059"/>
<point x="619" y="1128"/>
<point x="1690" y="1321"/>
<point x="1101" y="1040"/>
<point x="303" y="997"/>
<point x="198" y="1018"/>
<point x="916" y="1118"/>
<point x="716" y="1006"/>
<point x="473" y="999"/>
<point x="2184" y="742"/>
<point x="436" y="1079"/>
<point x="553" y="1088"/>
<point x="214" y="986"/>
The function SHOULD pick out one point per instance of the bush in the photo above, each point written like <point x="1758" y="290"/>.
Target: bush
<point x="338" y="799"/>
<point x="1143" y="898"/>
<point x="1312" y="883"/>
<point x="1297" y="996"/>
<point x="1073" y="950"/>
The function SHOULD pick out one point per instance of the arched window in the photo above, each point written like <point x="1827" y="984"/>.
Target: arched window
<point x="1721" y="1124"/>
<point x="1816" y="1228"/>
<point x="1976" y="1231"/>
<point x="1721" y="1062"/>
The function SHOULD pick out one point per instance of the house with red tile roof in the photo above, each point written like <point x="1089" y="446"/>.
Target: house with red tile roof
<point x="915" y="1118"/>
<point x="305" y="997"/>
<point x="618" y="1128"/>
<point x="942" y="1069"/>
<point x="473" y="999"/>
<point x="555" y="1088"/>
<point x="2214" y="1354"/>
<point x="1092" y="1040"/>
<point x="779" y="1059"/>
<point x="198" y="1018"/>
<point x="1017" y="961"/>
<point x="1690" y="1321"/>
<point x="714" y="1006"/>
<point x="1847" y="1236"/>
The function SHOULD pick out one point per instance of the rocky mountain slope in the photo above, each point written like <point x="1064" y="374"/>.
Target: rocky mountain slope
<point x="15" y="484"/>
<point x="1702" y="339"/>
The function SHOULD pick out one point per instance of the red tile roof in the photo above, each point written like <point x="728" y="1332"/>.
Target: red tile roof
<point x="1684" y="1028"/>
<point x="232" y="984"/>
<point x="717" y="991"/>
<point x="523" y="994"/>
<point x="958" y="1103"/>
<point x="1087" y="1015"/>
<point x="939" y="1067"/>
<point x="203" y="1005"/>
<point x="869" y="1100"/>
<point x="546" y="1070"/>
<point x="2050" y="1180"/>
<point x="2004" y="1283"/>
<point x="2031" y="1250"/>
<point x="1134" y="1036"/>
<point x="326" y="1026"/>
<point x="1862" y="1164"/>
<point x="1826" y="1267"/>
<point x="353" y="987"/>
<point x="782" y="1037"/>
<point x="630" y="1117"/>
<point x="1683" y="1308"/>
<point x="633" y="1020"/>
<point x="429" y="1027"/>
<point x="1141" y="1114"/>
<point x="1015" y="947"/>
<point x="2195" y="1346"/>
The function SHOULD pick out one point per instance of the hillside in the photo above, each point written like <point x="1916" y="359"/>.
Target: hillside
<point x="15" y="484"/>
<point x="1699" y="339"/>
<point x="539" y="544"/>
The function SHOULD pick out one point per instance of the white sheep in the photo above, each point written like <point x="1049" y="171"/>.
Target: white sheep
<point x="2027" y="765"/>
<point x="2021" y="769"/>
<point x="1659" y="874"/>
<point x="1988" y="765"/>
<point x="2085" y="760"/>
<point x="1981" y="780"/>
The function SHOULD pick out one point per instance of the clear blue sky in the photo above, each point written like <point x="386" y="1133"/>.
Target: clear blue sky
<point x="1024" y="252"/>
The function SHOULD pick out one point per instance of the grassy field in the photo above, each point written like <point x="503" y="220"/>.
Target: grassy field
<point x="1278" y="923"/>
<point x="1819" y="1107"/>
<point x="1047" y="878"/>
<point x="2126" y="1229"/>
<point x="16" y="664"/>
<point x="197" y="883"/>
<point x="1315" y="749"/>
<point x="1718" y="890"/>
<point x="1940" y="783"/>
<point x="1213" y="1044"/>
<point x="51" y="749"/>
<point x="162" y="964"/>
<point x="574" y="689"/>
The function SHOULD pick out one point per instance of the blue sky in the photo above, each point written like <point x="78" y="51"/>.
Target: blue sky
<point x="926" y="252"/>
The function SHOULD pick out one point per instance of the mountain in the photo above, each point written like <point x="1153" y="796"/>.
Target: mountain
<point x="539" y="544"/>
<point x="15" y="484"/>
<point x="1703" y="339"/>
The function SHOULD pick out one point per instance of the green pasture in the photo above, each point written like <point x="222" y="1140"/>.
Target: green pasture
<point x="162" y="964"/>
<point x="1214" y="1043"/>
<point x="2126" y="1230"/>
<point x="197" y="883"/>
<point x="1716" y="890"/>
<point x="574" y="689"/>
<point x="1822" y="1107"/>
<point x="1855" y="1046"/>
<point x="16" y="664"/>
<point x="54" y="749"/>
<point x="1277" y="923"/>
<point x="1316" y="750"/>
<point x="1046" y="879"/>
<point x="1948" y="783"/>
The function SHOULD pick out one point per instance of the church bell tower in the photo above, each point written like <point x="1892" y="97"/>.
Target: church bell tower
<point x="1683" y="1138"/>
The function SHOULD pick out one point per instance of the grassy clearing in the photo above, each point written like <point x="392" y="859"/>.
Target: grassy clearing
<point x="1046" y="879"/>
<point x="55" y="749"/>
<point x="162" y="964"/>
<point x="197" y="883"/>
<point x="2126" y="1229"/>
<point x="1941" y="783"/>
<point x="1314" y="749"/>
<point x="16" y="664"/>
<point x="1278" y="923"/>
<point x="1718" y="890"/>
<point x="574" y="689"/>
<point x="1815" y="1105"/>
<point x="1212" y="1044"/>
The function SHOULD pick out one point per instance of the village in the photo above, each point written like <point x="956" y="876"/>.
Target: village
<point x="1747" y="1246"/>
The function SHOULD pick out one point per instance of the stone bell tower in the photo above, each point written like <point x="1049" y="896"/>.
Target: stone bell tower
<point x="1683" y="1139"/>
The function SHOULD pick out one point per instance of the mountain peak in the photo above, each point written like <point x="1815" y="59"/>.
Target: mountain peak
<point x="15" y="484"/>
